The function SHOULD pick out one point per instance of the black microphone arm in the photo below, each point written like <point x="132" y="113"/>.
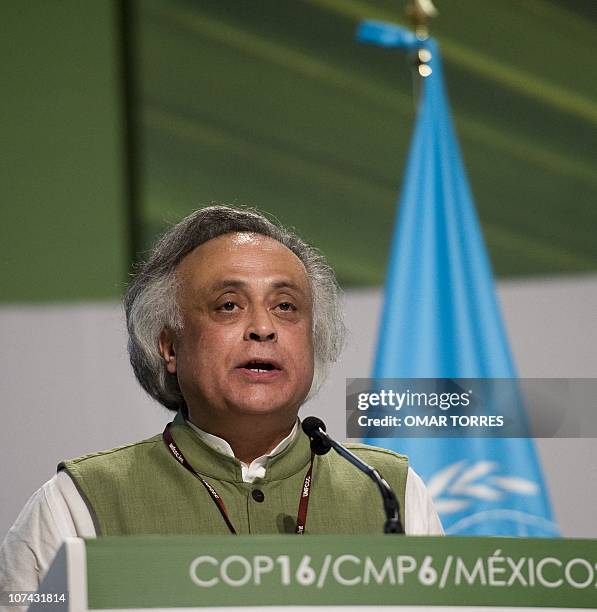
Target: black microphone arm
<point x="321" y="443"/>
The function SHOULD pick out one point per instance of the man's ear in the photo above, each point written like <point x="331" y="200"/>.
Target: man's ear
<point x="168" y="350"/>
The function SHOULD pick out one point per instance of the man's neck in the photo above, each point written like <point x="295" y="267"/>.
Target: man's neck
<point x="252" y="436"/>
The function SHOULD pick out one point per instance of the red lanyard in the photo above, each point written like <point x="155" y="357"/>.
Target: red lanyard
<point x="301" y="519"/>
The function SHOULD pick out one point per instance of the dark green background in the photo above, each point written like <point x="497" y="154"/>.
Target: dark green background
<point x="272" y="103"/>
<point x="62" y="213"/>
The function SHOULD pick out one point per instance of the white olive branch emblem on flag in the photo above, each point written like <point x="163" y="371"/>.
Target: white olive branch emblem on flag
<point x="455" y="487"/>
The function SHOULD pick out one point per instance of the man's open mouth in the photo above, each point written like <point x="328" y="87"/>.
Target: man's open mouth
<point x="260" y="366"/>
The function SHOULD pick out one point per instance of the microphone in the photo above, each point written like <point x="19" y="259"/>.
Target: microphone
<point x="315" y="429"/>
<point x="321" y="443"/>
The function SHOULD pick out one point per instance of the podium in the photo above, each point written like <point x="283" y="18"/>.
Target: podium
<point x="354" y="572"/>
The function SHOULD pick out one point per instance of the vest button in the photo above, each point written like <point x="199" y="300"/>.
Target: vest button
<point x="257" y="495"/>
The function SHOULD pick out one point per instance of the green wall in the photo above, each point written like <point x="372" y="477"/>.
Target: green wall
<point x="272" y="103"/>
<point x="275" y="104"/>
<point x="62" y="226"/>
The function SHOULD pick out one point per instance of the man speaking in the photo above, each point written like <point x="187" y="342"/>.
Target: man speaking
<point x="232" y="323"/>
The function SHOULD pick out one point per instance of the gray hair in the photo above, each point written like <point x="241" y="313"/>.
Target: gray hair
<point x="151" y="305"/>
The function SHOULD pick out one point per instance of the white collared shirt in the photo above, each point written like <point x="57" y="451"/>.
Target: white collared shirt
<point x="257" y="468"/>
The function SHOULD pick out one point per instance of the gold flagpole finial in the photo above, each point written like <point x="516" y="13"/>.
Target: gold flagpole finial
<point x="420" y="12"/>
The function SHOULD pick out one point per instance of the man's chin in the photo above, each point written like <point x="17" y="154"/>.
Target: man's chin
<point x="260" y="403"/>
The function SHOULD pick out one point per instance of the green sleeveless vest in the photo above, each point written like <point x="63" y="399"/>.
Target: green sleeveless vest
<point x="142" y="489"/>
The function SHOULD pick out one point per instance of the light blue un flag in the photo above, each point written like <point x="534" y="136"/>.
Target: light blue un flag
<point x="441" y="320"/>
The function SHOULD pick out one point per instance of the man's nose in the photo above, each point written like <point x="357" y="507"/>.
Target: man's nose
<point x="261" y="328"/>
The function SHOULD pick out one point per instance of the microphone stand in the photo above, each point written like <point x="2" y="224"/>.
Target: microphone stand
<point x="321" y="444"/>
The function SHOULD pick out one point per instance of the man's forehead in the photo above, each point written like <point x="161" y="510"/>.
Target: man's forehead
<point x="220" y="259"/>
<point x="239" y="239"/>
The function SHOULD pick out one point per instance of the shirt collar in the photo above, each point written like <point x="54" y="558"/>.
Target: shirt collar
<point x="257" y="468"/>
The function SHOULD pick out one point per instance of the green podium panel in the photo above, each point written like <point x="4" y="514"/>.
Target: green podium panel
<point x="158" y="572"/>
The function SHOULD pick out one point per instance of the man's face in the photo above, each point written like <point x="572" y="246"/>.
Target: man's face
<point x="246" y="344"/>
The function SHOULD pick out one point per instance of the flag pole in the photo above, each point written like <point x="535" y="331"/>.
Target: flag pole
<point x="420" y="13"/>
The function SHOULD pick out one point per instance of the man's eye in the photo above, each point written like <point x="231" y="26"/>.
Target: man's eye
<point x="286" y="307"/>
<point x="228" y="306"/>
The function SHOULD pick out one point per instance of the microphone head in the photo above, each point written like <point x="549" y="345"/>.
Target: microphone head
<point x="311" y="426"/>
<point x="320" y="444"/>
